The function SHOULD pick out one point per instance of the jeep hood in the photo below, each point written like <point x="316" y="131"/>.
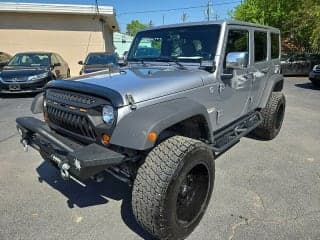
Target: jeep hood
<point x="142" y="83"/>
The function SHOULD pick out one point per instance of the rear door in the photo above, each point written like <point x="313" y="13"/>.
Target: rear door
<point x="64" y="66"/>
<point x="261" y="66"/>
<point x="56" y="69"/>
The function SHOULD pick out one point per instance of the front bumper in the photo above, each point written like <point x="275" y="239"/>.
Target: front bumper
<point x="23" y="87"/>
<point x="70" y="157"/>
<point x="314" y="76"/>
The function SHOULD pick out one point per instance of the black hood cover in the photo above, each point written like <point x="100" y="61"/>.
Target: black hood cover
<point x="113" y="96"/>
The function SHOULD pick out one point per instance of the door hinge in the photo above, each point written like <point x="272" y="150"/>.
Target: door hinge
<point x="221" y="87"/>
<point x="219" y="115"/>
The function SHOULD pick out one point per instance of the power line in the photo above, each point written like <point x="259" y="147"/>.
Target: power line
<point x="177" y="9"/>
<point x="97" y="7"/>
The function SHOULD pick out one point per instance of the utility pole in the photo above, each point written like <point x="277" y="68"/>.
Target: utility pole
<point x="184" y="17"/>
<point x="208" y="11"/>
<point x="162" y="19"/>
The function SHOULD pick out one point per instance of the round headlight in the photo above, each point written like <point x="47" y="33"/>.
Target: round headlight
<point x="44" y="103"/>
<point x="108" y="114"/>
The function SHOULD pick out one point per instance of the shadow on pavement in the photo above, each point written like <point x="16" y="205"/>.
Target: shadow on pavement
<point x="18" y="95"/>
<point x="307" y="86"/>
<point x="93" y="194"/>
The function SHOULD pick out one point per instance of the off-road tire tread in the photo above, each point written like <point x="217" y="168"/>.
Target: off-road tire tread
<point x="266" y="129"/>
<point x="152" y="182"/>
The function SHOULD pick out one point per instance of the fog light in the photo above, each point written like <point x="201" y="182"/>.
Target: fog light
<point x="105" y="139"/>
<point x="45" y="116"/>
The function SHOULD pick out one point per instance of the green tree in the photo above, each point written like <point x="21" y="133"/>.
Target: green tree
<point x="297" y="19"/>
<point x="135" y="26"/>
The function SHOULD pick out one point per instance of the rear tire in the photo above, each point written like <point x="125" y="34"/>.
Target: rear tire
<point x="173" y="187"/>
<point x="273" y="115"/>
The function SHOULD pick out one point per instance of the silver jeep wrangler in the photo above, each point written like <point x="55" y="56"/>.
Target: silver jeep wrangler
<point x="187" y="94"/>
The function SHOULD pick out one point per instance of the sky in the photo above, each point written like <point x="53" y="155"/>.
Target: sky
<point x="127" y="9"/>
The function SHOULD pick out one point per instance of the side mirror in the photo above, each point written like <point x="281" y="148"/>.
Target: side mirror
<point x="237" y="60"/>
<point x="80" y="62"/>
<point x="56" y="65"/>
<point x="2" y="64"/>
<point x="122" y="62"/>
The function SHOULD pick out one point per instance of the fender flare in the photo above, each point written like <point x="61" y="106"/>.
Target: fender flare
<point x="132" y="130"/>
<point x="272" y="83"/>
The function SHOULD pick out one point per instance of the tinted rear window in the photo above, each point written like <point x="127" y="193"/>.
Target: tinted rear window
<point x="275" y="46"/>
<point x="260" y="46"/>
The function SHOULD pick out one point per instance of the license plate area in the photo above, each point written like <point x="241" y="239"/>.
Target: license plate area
<point x="14" y="87"/>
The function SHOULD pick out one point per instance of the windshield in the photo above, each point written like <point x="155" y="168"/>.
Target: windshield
<point x="30" y="60"/>
<point x="101" y="59"/>
<point x="182" y="43"/>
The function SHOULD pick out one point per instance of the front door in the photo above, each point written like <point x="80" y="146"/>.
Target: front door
<point x="235" y="84"/>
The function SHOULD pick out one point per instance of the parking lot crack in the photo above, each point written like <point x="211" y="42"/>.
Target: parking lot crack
<point x="7" y="138"/>
<point x="236" y="226"/>
<point x="306" y="214"/>
<point x="246" y="221"/>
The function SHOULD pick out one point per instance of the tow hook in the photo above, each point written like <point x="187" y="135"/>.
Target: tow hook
<point x="64" y="171"/>
<point x="25" y="145"/>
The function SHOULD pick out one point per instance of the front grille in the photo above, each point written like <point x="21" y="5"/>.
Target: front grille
<point x="16" y="79"/>
<point x="71" y="121"/>
<point x="71" y="97"/>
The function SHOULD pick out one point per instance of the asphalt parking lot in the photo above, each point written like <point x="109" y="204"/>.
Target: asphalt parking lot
<point x="263" y="189"/>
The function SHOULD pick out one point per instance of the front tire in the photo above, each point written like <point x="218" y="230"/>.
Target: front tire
<point x="273" y="115"/>
<point x="173" y="187"/>
<point x="315" y="83"/>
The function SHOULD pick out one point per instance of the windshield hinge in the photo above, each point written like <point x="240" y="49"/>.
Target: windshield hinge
<point x="131" y="102"/>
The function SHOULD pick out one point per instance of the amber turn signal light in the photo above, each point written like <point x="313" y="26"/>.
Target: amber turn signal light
<point x="105" y="139"/>
<point x="45" y="116"/>
<point x="152" y="136"/>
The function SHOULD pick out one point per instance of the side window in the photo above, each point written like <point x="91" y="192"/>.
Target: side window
<point x="54" y="59"/>
<point x="260" y="46"/>
<point x="238" y="41"/>
<point x="275" y="47"/>
<point x="59" y="58"/>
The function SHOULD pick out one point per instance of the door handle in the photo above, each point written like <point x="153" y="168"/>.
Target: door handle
<point x="248" y="76"/>
<point x="265" y="70"/>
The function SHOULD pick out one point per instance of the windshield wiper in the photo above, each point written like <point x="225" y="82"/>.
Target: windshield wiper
<point x="167" y="59"/>
<point x="141" y="60"/>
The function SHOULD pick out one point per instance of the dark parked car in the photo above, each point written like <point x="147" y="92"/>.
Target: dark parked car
<point x="314" y="76"/>
<point x="4" y="59"/>
<point x="314" y="59"/>
<point x="295" y="64"/>
<point x="29" y="72"/>
<point x="98" y="61"/>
